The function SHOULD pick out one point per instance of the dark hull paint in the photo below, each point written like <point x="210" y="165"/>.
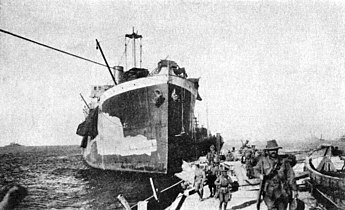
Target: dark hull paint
<point x="169" y="122"/>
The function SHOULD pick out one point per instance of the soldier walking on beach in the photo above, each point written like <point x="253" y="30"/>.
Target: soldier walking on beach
<point x="224" y="183"/>
<point x="199" y="179"/>
<point x="278" y="178"/>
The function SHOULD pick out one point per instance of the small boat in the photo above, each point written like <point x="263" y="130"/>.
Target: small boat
<point x="326" y="167"/>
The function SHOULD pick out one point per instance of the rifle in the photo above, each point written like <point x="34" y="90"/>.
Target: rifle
<point x="263" y="181"/>
<point x="261" y="190"/>
<point x="84" y="101"/>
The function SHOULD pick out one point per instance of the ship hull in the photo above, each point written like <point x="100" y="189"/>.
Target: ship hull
<point x="144" y="125"/>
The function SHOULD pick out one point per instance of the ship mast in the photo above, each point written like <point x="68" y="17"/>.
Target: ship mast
<point x="134" y="36"/>
<point x="98" y="46"/>
<point x="207" y="123"/>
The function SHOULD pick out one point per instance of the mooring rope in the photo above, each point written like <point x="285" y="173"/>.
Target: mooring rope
<point x="50" y="47"/>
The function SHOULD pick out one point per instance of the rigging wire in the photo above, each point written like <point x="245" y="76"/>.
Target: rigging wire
<point x="141" y="52"/>
<point x="124" y="54"/>
<point x="52" y="48"/>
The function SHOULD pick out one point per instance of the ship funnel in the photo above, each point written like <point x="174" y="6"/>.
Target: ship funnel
<point x="118" y="74"/>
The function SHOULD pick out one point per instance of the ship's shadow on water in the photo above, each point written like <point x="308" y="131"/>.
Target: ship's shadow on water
<point x="103" y="187"/>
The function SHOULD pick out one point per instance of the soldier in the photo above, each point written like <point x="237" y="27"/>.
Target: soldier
<point x="224" y="183"/>
<point x="278" y="178"/>
<point x="229" y="156"/>
<point x="199" y="179"/>
<point x="249" y="156"/>
<point x="252" y="157"/>
<point x="216" y="158"/>
<point x="256" y="157"/>
<point x="244" y="146"/>
<point x="209" y="178"/>
<point x="212" y="175"/>
<point x="211" y="155"/>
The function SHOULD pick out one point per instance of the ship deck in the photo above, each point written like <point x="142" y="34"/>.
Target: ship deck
<point x="244" y="198"/>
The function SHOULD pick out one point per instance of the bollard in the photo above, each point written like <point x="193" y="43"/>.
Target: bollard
<point x="142" y="205"/>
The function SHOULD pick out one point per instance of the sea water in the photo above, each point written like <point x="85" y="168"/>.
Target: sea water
<point x="57" y="178"/>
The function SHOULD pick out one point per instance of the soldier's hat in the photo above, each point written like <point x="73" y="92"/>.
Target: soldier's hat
<point x="272" y="145"/>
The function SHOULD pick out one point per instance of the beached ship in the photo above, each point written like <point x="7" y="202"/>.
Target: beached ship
<point x="327" y="175"/>
<point x="144" y="122"/>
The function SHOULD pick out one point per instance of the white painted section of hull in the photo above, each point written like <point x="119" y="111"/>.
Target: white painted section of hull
<point x="111" y="139"/>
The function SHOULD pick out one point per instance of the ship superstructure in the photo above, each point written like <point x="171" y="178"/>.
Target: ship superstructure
<point x="143" y="123"/>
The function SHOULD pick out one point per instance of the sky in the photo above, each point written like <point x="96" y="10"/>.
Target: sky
<point x="268" y="69"/>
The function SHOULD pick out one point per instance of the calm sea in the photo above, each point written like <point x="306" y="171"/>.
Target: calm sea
<point x="56" y="178"/>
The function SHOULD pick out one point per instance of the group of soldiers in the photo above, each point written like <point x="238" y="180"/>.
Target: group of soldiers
<point x="278" y="185"/>
<point x="215" y="177"/>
